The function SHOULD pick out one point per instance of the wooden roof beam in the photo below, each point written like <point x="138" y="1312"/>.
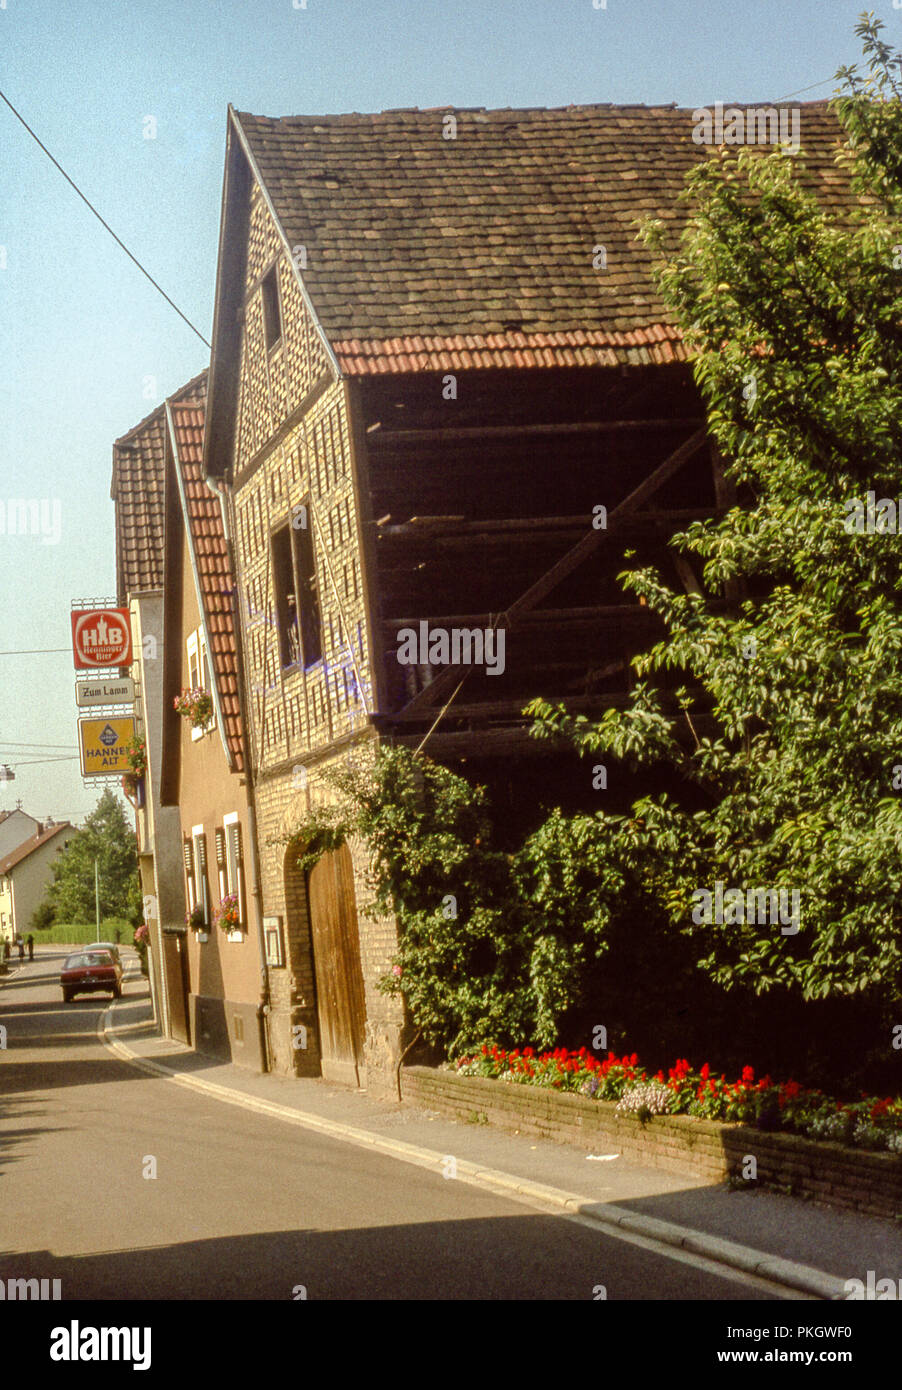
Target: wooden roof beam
<point x="382" y="438"/>
<point x="572" y="560"/>
<point x="445" y="527"/>
<point x="600" y="613"/>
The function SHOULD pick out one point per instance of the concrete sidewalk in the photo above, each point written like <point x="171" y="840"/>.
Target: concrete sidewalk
<point x="795" y="1244"/>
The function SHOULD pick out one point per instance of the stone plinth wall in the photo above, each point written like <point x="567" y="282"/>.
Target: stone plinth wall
<point x="830" y="1173"/>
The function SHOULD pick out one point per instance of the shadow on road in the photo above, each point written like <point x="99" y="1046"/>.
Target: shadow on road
<point x="496" y="1258"/>
<point x="19" y="1078"/>
<point x="14" y="1143"/>
<point x="54" y="1006"/>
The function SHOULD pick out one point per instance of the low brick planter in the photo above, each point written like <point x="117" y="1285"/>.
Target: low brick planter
<point x="852" y="1179"/>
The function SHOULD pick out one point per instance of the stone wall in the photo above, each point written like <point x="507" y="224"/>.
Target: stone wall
<point x="837" y="1176"/>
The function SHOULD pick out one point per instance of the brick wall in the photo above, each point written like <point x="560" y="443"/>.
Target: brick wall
<point x="274" y="384"/>
<point x="303" y="712"/>
<point x="302" y="722"/>
<point x="292" y="987"/>
<point x="854" y="1180"/>
<point x="384" y="1015"/>
<point x="281" y="807"/>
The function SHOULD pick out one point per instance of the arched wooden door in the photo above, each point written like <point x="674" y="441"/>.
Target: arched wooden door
<point x="340" y="1003"/>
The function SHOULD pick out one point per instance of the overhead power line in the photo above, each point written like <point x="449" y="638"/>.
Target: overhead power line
<point x="32" y="762"/>
<point x="37" y="651"/>
<point x="103" y="222"/>
<point x="44" y="755"/>
<point x="802" y="90"/>
<point x="18" y="745"/>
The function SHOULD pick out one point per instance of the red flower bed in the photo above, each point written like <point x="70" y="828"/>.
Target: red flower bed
<point x="872" y="1122"/>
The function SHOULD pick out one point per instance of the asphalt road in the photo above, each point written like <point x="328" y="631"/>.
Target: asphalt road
<point x="244" y="1206"/>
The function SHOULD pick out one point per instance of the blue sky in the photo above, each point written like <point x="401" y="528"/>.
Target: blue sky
<point x="89" y="348"/>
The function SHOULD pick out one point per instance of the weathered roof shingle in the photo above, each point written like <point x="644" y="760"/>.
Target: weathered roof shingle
<point x="427" y="253"/>
<point x="137" y="490"/>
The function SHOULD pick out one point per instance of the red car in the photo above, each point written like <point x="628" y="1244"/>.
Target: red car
<point x="88" y="971"/>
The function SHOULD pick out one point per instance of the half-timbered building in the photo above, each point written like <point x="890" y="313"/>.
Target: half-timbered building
<point x="445" y="402"/>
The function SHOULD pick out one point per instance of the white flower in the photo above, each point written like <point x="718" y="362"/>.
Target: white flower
<point x="869" y="1136"/>
<point x="649" y="1096"/>
<point x="831" y="1127"/>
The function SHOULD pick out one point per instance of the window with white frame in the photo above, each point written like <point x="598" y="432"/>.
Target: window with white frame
<point x="199" y="674"/>
<point x="190" y="883"/>
<point x="234" y="864"/>
<point x="197" y="891"/>
<point x="221" y="861"/>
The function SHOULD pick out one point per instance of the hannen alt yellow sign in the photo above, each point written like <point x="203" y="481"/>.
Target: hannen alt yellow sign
<point x="103" y="743"/>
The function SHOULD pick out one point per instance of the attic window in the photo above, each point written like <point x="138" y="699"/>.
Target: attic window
<point x="272" y="316"/>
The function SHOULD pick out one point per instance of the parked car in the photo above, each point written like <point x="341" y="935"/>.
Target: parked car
<point x="88" y="971"/>
<point x="106" y="946"/>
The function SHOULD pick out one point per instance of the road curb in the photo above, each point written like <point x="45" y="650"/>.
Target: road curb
<point x="770" y="1268"/>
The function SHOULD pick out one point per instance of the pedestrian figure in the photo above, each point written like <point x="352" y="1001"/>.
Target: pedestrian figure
<point x="21" y="949"/>
<point x="30" y="940"/>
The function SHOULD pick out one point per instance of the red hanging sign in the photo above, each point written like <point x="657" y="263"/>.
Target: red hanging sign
<point x="101" y="637"/>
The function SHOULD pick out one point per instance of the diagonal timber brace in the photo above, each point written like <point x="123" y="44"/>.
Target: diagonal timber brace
<point x="567" y="563"/>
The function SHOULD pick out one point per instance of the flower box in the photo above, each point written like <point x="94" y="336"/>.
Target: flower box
<point x="136" y="755"/>
<point x="196" y="919"/>
<point x="133" y="789"/>
<point x="202" y="936"/>
<point x="196" y="705"/>
<point x="227" y="917"/>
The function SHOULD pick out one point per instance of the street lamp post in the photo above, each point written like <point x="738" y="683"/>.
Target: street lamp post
<point x="97" y="900"/>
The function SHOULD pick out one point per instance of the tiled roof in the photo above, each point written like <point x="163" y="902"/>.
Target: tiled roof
<point x="654" y="345"/>
<point x="137" y="490"/>
<point x="29" y="846"/>
<point x="211" y="560"/>
<point x="424" y="252"/>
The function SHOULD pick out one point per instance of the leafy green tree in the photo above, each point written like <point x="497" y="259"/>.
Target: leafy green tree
<point x="491" y="944"/>
<point x="785" y="738"/>
<point x="772" y="710"/>
<point x="107" y="837"/>
<point x="42" y="917"/>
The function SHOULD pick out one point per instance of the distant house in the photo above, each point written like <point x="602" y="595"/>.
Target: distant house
<point x="26" y="874"/>
<point x="223" y="985"/>
<point x="15" y="827"/>
<point x="137" y="491"/>
<point x="444" y="398"/>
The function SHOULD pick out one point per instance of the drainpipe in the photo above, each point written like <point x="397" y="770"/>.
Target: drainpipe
<point x="263" y="1006"/>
